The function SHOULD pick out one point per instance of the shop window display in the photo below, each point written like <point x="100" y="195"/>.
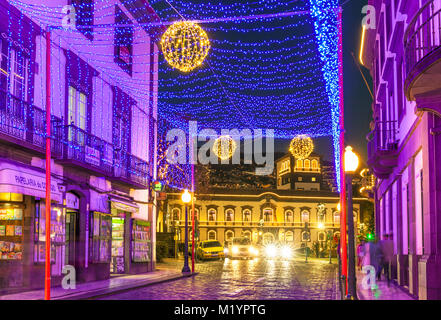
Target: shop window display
<point x="141" y="241"/>
<point x="58" y="237"/>
<point x="11" y="233"/>
<point x="101" y="237"/>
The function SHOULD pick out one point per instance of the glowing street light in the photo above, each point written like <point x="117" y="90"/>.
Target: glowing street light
<point x="186" y="198"/>
<point x="351" y="163"/>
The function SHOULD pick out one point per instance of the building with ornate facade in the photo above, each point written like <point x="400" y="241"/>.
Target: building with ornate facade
<point x="403" y="54"/>
<point x="266" y="215"/>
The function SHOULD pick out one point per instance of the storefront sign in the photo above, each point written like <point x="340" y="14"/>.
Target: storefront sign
<point x="72" y="201"/>
<point x="15" y="181"/>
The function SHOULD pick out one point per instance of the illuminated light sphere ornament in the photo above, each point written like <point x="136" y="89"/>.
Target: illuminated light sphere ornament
<point x="185" y="45"/>
<point x="301" y="146"/>
<point x="224" y="147"/>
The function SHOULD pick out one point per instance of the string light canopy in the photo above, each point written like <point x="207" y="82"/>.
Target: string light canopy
<point x="301" y="146"/>
<point x="185" y="45"/>
<point x="224" y="147"/>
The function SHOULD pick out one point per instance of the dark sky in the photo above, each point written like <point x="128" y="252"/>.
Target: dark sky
<point x="358" y="101"/>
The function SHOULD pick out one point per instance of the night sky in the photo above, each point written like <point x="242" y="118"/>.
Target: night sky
<point x="358" y="112"/>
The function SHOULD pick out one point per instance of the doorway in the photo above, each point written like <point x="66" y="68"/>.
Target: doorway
<point x="117" y="265"/>
<point x="71" y="236"/>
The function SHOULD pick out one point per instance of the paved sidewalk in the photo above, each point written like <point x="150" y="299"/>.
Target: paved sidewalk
<point x="104" y="287"/>
<point x="382" y="291"/>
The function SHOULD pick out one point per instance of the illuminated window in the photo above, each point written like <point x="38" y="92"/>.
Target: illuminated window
<point x="289" y="236"/>
<point x="77" y="108"/>
<point x="268" y="215"/>
<point x="228" y="235"/>
<point x="336" y="217"/>
<point x="307" y="164"/>
<point x="247" y="234"/>
<point x="211" y="235"/>
<point x="229" y="215"/>
<point x="300" y="178"/>
<point x="247" y="215"/>
<point x="314" y="164"/>
<point x="289" y="217"/>
<point x="212" y="215"/>
<point x="313" y="179"/>
<point x="321" y="236"/>
<point x="305" y="216"/>
<point x="299" y="164"/>
<point x="176" y="214"/>
<point x="196" y="214"/>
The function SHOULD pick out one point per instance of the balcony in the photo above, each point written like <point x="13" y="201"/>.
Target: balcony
<point x="25" y="125"/>
<point x="423" y="58"/>
<point x="383" y="148"/>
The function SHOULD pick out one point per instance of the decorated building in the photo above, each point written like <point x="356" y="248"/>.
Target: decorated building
<point x="102" y="139"/>
<point x="403" y="52"/>
<point x="299" y="210"/>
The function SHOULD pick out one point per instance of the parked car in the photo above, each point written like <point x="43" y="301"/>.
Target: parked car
<point x="241" y="248"/>
<point x="209" y="249"/>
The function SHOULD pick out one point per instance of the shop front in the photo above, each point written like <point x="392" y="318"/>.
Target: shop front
<point x="131" y="249"/>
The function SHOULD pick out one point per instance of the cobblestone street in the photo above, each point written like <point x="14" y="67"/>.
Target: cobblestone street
<point x="245" y="279"/>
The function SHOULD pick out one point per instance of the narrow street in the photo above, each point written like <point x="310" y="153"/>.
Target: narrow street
<point x="257" y="279"/>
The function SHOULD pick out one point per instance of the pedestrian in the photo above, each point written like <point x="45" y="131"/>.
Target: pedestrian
<point x="375" y="257"/>
<point x="387" y="249"/>
<point x="360" y="254"/>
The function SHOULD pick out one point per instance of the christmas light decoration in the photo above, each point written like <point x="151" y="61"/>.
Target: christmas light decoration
<point x="185" y="45"/>
<point x="224" y="147"/>
<point x="301" y="147"/>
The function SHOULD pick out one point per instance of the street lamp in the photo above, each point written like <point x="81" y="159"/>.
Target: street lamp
<point x="186" y="198"/>
<point x="351" y="162"/>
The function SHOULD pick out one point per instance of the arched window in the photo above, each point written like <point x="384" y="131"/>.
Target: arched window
<point x="176" y="214"/>
<point x="229" y="235"/>
<point x="307" y="164"/>
<point x="289" y="236"/>
<point x="212" y="215"/>
<point x="306" y="236"/>
<point x="196" y="214"/>
<point x="336" y="217"/>
<point x="289" y="217"/>
<point x="211" y="235"/>
<point x="229" y="215"/>
<point x="321" y="236"/>
<point x="305" y="216"/>
<point x="247" y="215"/>
<point x="299" y="164"/>
<point x="267" y="238"/>
<point x="247" y="234"/>
<point x="314" y="164"/>
<point x="268" y="215"/>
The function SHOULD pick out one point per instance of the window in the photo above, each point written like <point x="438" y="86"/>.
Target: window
<point x="307" y="164"/>
<point x="289" y="236"/>
<point x="211" y="235"/>
<point x="306" y="236"/>
<point x="267" y="215"/>
<point x="305" y="216"/>
<point x="101" y="229"/>
<point x="336" y="217"/>
<point x="247" y="234"/>
<point x="299" y="164"/>
<point x="176" y="214"/>
<point x="84" y="10"/>
<point x="77" y="108"/>
<point x="247" y="215"/>
<point x="285" y="166"/>
<point x="313" y="179"/>
<point x="229" y="235"/>
<point x="300" y="178"/>
<point x="314" y="164"/>
<point x="229" y="215"/>
<point x="212" y="215"/>
<point x="321" y="236"/>
<point x="196" y="214"/>
<point x="123" y="41"/>
<point x="289" y="217"/>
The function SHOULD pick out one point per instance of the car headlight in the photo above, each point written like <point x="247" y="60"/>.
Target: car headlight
<point x="235" y="249"/>
<point x="253" y="251"/>
<point x="286" y="252"/>
<point x="271" y="250"/>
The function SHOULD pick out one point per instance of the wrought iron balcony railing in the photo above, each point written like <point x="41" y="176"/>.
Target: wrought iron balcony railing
<point x="131" y="168"/>
<point x="23" y="121"/>
<point x="423" y="35"/>
<point x="383" y="137"/>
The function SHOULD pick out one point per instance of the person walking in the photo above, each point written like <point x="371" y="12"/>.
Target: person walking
<point x="360" y="254"/>
<point x="387" y="250"/>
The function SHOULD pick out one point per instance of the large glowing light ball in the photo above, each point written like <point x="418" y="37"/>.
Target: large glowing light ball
<point x="185" y="45"/>
<point x="301" y="146"/>
<point x="224" y="147"/>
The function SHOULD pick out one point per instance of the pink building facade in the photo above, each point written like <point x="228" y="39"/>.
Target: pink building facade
<point x="403" y="54"/>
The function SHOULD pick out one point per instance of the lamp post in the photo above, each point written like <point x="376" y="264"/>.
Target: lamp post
<point x="351" y="164"/>
<point x="186" y="198"/>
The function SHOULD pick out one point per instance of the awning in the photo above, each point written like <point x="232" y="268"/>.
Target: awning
<point x="20" y="179"/>
<point x="123" y="204"/>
